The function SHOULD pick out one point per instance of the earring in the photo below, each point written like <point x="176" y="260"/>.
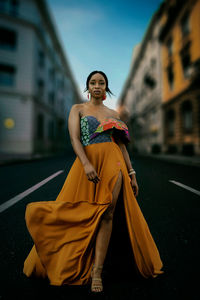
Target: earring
<point x="104" y="96"/>
<point x="88" y="95"/>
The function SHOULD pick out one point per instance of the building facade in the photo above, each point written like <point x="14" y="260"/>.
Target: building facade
<point x="37" y="88"/>
<point x="180" y="41"/>
<point x="140" y="103"/>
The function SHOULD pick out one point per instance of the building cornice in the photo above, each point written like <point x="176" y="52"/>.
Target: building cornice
<point x="48" y="19"/>
<point x="140" y="54"/>
<point x="173" y="11"/>
<point x="182" y="93"/>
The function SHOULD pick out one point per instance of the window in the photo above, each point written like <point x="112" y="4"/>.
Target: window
<point x="14" y="7"/>
<point x="51" y="130"/>
<point x="171" y="122"/>
<point x="198" y="113"/>
<point x="149" y="81"/>
<point x="7" y="75"/>
<point x="169" y="46"/>
<point x="40" y="88"/>
<point x="185" y="59"/>
<point x="8" y="39"/>
<point x="41" y="59"/>
<point x="185" y="26"/>
<point x="170" y="76"/>
<point x="40" y="126"/>
<point x="187" y="115"/>
<point x="10" y="6"/>
<point x="3" y="5"/>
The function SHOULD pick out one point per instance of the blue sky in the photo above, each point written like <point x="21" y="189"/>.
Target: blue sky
<point x="101" y="35"/>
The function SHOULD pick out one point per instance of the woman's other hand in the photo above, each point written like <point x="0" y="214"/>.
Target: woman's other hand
<point x="91" y="173"/>
<point x="134" y="185"/>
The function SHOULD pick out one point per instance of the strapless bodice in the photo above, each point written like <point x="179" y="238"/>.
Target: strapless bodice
<point x="93" y="131"/>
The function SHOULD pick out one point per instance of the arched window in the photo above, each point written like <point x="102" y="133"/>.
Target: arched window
<point x="170" y="122"/>
<point x="186" y="113"/>
<point x="40" y="126"/>
<point x="51" y="129"/>
<point x="198" y="116"/>
<point x="185" y="24"/>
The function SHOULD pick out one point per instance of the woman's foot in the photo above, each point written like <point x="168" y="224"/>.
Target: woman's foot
<point x="96" y="285"/>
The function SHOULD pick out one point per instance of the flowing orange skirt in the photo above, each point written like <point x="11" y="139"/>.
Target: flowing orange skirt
<point x="64" y="230"/>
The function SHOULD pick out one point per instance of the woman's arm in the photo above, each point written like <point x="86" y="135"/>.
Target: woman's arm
<point x="129" y="166"/>
<point x="126" y="156"/>
<point x="74" y="132"/>
<point x="127" y="159"/>
<point x="122" y="146"/>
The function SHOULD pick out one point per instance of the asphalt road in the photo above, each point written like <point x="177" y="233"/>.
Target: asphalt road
<point x="171" y="212"/>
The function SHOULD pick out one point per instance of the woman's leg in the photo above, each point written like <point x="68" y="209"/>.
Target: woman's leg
<point x="105" y="229"/>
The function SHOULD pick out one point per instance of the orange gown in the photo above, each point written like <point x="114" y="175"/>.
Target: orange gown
<point x="64" y="230"/>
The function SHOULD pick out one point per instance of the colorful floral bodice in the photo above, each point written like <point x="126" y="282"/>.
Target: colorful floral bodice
<point x="93" y="131"/>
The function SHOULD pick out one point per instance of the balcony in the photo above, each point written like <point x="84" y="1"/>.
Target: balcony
<point x="194" y="74"/>
<point x="149" y="80"/>
<point x="172" y="14"/>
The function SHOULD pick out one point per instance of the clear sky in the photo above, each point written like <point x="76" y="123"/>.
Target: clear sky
<point x="101" y="35"/>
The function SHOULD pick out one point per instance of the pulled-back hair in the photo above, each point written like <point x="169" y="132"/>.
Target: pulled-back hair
<point x="105" y="77"/>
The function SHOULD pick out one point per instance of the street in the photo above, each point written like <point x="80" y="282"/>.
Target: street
<point x="171" y="211"/>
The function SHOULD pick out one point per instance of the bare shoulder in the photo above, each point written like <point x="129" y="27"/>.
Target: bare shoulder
<point x="76" y="108"/>
<point x="114" y="113"/>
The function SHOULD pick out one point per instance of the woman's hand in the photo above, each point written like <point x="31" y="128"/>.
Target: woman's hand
<point x="91" y="173"/>
<point x="134" y="185"/>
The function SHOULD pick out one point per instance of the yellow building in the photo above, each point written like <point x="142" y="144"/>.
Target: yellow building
<point x="180" y="38"/>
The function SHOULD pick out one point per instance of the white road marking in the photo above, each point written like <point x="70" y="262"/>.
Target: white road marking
<point x="22" y="195"/>
<point x="186" y="187"/>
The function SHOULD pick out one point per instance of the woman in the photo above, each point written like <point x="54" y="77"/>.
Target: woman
<point x="72" y="234"/>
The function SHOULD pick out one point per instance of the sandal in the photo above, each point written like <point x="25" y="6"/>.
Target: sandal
<point x="96" y="281"/>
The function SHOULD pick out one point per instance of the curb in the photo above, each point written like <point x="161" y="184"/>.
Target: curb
<point x="181" y="160"/>
<point x="30" y="159"/>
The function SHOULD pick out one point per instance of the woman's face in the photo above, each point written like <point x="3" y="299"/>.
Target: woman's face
<point x="97" y="85"/>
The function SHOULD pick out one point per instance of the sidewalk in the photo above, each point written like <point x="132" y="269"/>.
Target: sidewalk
<point x="175" y="158"/>
<point x="8" y="159"/>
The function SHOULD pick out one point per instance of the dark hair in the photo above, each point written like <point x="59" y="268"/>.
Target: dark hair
<point x="105" y="77"/>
